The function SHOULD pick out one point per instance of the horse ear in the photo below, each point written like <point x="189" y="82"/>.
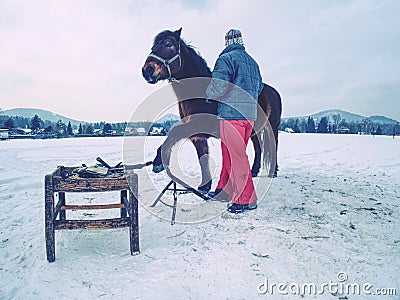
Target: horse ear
<point x="178" y="32"/>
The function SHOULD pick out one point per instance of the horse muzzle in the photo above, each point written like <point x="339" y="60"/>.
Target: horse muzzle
<point x="148" y="74"/>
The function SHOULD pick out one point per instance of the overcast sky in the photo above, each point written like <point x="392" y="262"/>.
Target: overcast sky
<point x="83" y="58"/>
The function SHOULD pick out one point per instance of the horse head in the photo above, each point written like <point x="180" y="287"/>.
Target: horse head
<point x="164" y="60"/>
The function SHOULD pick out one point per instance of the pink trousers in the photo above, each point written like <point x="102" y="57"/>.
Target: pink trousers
<point x="235" y="178"/>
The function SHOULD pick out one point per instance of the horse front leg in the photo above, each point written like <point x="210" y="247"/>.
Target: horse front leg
<point x="256" y="138"/>
<point x="177" y="133"/>
<point x="190" y="131"/>
<point x="201" y="145"/>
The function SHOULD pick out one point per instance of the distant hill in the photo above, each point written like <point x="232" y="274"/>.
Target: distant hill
<point x="382" y="119"/>
<point x="168" y="117"/>
<point x="348" y="116"/>
<point x="43" y="114"/>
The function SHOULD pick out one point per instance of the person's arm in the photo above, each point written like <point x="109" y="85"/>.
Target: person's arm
<point x="261" y="84"/>
<point x="261" y="87"/>
<point x="221" y="78"/>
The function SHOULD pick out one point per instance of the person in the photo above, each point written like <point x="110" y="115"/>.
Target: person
<point x="236" y="83"/>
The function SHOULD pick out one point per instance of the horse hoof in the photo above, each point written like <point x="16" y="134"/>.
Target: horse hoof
<point x="205" y="188"/>
<point x="255" y="170"/>
<point x="158" y="168"/>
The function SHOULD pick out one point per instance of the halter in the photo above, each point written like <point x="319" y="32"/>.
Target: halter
<point x="168" y="62"/>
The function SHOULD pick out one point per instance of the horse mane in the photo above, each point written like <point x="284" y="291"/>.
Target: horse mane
<point x="194" y="64"/>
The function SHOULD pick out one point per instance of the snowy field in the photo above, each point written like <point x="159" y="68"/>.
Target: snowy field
<point x="332" y="212"/>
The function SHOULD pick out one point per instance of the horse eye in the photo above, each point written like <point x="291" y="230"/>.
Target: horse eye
<point x="168" y="44"/>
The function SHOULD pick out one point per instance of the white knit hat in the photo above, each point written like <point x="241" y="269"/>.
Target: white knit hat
<point x="233" y="36"/>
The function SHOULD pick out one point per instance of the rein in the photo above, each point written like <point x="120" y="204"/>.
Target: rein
<point x="168" y="62"/>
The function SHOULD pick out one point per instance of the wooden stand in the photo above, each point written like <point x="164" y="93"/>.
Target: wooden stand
<point x="175" y="191"/>
<point x="55" y="214"/>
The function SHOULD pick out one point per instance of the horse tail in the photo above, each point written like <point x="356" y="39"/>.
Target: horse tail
<point x="273" y="110"/>
<point x="268" y="146"/>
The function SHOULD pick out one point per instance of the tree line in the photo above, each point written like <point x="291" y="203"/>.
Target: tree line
<point x="299" y="125"/>
<point x="338" y="125"/>
<point x="60" y="129"/>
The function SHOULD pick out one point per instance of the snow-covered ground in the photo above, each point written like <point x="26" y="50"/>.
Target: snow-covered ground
<point x="334" y="209"/>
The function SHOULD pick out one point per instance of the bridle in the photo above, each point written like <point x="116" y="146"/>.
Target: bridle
<point x="168" y="62"/>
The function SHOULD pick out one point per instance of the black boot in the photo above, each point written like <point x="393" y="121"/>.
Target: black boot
<point x="236" y="208"/>
<point x="239" y="208"/>
<point x="219" y="195"/>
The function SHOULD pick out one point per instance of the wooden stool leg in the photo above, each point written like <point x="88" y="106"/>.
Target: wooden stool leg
<point x="63" y="213"/>
<point x="49" y="219"/>
<point x="133" y="214"/>
<point x="124" y="200"/>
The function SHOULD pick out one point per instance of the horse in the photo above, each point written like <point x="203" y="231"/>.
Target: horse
<point x="172" y="59"/>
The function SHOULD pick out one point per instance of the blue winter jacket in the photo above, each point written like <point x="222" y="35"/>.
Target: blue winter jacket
<point x="236" y="83"/>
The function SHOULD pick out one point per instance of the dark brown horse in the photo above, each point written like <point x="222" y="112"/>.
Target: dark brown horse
<point x="172" y="59"/>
